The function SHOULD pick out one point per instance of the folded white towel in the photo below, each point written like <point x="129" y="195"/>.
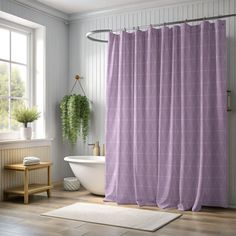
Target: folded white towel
<point x="31" y="160"/>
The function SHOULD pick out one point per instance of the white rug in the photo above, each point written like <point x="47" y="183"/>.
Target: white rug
<point x="114" y="215"/>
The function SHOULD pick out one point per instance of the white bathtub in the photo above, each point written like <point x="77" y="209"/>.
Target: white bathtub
<point x="90" y="170"/>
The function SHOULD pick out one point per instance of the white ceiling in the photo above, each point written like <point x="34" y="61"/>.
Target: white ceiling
<point x="81" y="6"/>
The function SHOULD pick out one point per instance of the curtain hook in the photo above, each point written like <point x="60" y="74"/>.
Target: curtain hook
<point x="124" y="29"/>
<point x="137" y="27"/>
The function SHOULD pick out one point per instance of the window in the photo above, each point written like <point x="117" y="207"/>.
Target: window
<point x="22" y="73"/>
<point x="14" y="75"/>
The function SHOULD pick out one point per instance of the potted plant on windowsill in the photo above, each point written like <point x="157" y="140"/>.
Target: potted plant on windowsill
<point x="26" y="115"/>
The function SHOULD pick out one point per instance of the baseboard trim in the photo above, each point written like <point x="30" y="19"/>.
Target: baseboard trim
<point x="57" y="183"/>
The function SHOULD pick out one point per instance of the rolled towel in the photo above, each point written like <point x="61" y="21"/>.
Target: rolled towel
<point x="27" y="161"/>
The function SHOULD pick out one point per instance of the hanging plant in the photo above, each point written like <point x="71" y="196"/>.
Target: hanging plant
<point x="73" y="118"/>
<point x="64" y="117"/>
<point x="84" y="116"/>
<point x="75" y="115"/>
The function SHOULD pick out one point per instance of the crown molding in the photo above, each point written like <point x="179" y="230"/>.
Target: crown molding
<point x="69" y="18"/>
<point x="42" y="8"/>
<point x="128" y="8"/>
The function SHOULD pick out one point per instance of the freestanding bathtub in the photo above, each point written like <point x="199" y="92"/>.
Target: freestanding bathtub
<point x="90" y="170"/>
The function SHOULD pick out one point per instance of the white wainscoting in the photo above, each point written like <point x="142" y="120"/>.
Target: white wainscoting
<point x="89" y="58"/>
<point x="15" y="155"/>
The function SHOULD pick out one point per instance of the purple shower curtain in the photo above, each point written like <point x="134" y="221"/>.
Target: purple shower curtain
<point x="166" y="117"/>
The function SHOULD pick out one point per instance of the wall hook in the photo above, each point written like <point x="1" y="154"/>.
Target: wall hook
<point x="77" y="79"/>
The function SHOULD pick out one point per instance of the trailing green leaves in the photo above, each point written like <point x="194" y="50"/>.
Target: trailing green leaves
<point x="75" y="115"/>
<point x="64" y="117"/>
<point x="84" y="116"/>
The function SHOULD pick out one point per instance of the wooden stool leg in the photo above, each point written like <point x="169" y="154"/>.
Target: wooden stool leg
<point x="5" y="196"/>
<point x="26" y="187"/>
<point x="49" y="181"/>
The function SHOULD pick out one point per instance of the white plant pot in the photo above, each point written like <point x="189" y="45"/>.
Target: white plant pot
<point x="26" y="133"/>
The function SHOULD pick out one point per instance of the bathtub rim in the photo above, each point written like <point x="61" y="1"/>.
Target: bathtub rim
<point x="85" y="159"/>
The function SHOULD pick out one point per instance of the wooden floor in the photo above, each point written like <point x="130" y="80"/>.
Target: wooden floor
<point x="25" y="220"/>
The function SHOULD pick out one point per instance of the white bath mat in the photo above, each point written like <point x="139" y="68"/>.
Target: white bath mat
<point x="113" y="215"/>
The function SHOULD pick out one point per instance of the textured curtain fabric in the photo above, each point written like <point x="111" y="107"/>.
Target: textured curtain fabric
<point x="166" y="117"/>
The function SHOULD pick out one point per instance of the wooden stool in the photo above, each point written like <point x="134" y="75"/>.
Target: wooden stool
<point x="28" y="189"/>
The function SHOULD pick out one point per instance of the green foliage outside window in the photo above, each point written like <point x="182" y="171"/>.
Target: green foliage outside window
<point x="17" y="90"/>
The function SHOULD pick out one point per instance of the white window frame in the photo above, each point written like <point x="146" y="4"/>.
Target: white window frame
<point x="14" y="27"/>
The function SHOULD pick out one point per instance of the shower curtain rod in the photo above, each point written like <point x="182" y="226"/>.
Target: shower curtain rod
<point x="90" y="33"/>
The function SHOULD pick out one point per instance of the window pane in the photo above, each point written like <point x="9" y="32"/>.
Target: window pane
<point x="4" y="78"/>
<point x="4" y="121"/>
<point x="16" y="103"/>
<point x="4" y="44"/>
<point x="19" y="47"/>
<point x="18" y="80"/>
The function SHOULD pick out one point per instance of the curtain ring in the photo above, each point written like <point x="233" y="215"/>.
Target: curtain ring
<point x="137" y="27"/>
<point x="124" y="29"/>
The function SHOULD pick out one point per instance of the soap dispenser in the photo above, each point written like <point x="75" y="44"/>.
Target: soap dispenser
<point x="103" y="152"/>
<point x="96" y="149"/>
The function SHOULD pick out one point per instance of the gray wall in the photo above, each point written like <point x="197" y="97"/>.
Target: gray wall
<point x="89" y="58"/>
<point x="57" y="57"/>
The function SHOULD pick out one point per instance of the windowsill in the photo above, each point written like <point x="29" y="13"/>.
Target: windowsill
<point x="20" y="143"/>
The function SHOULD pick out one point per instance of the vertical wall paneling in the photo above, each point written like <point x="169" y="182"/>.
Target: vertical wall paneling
<point x="93" y="56"/>
<point x="10" y="179"/>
